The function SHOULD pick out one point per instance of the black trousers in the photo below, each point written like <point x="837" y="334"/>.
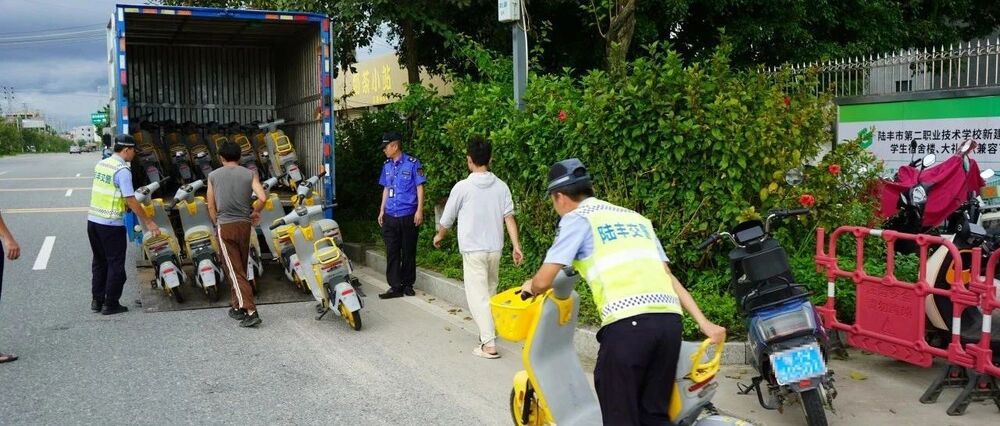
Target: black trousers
<point x="108" y="243"/>
<point x="635" y="369"/>
<point x="400" y="237"/>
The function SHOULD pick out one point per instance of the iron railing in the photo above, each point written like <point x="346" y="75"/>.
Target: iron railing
<point x="974" y="64"/>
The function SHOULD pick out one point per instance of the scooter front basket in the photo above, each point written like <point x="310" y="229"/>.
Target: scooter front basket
<point x="512" y="315"/>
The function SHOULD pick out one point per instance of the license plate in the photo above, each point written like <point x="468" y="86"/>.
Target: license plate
<point x="797" y="364"/>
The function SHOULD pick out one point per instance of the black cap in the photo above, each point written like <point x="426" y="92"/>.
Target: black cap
<point x="390" y="136"/>
<point x="125" y="141"/>
<point x="567" y="172"/>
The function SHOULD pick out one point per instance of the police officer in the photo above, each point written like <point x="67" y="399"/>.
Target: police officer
<point x="639" y="300"/>
<point x="402" y="211"/>
<point x="112" y="191"/>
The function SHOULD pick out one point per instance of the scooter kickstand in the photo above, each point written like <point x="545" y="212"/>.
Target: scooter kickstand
<point x="322" y="314"/>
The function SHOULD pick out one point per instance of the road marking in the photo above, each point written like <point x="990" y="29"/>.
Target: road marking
<point x="77" y="175"/>
<point x="69" y="192"/>
<point x="42" y="189"/>
<point x="49" y="178"/>
<point x="2" y="173"/>
<point x="46" y="210"/>
<point x="42" y="261"/>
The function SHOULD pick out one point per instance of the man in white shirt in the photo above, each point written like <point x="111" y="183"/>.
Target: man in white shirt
<point x="482" y="204"/>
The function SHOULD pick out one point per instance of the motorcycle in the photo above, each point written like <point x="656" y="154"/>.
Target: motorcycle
<point x="163" y="251"/>
<point x="322" y="266"/>
<point x="200" y="243"/>
<point x="553" y="387"/>
<point x="788" y="342"/>
<point x="280" y="150"/>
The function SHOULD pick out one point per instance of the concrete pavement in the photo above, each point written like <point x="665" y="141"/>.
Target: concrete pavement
<point x="410" y="364"/>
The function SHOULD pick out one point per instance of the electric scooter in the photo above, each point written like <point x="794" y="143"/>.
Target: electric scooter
<point x="553" y="388"/>
<point x="180" y="155"/>
<point x="284" y="162"/>
<point x="201" y="244"/>
<point x="162" y="250"/>
<point x="147" y="150"/>
<point x="787" y="339"/>
<point x="323" y="266"/>
<point x="201" y="156"/>
<point x="248" y="157"/>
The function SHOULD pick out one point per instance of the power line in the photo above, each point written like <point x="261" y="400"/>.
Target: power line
<point x="53" y="35"/>
<point x="53" y="29"/>
<point x="63" y="40"/>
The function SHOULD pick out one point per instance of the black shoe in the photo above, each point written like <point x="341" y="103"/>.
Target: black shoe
<point x="409" y="291"/>
<point x="391" y="294"/>
<point x="251" y="320"/>
<point x="113" y="309"/>
<point x="96" y="305"/>
<point x="237" y="314"/>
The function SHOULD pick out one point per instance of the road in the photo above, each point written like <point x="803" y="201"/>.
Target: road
<point x="411" y="364"/>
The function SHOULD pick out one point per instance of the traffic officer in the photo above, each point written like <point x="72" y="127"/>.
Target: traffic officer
<point x="111" y="192"/>
<point x="401" y="212"/>
<point x="639" y="300"/>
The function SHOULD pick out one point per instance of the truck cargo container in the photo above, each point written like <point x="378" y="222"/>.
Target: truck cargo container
<point x="226" y="65"/>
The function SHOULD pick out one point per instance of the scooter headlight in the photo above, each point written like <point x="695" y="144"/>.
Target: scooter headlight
<point x="788" y="322"/>
<point x="918" y="195"/>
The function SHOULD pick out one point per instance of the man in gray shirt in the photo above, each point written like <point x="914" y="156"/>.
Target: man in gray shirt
<point x="482" y="204"/>
<point x="235" y="216"/>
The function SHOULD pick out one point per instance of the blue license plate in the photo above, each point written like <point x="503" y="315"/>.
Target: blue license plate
<point x="804" y="362"/>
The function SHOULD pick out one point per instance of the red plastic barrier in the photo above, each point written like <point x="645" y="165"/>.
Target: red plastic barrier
<point x="890" y="313"/>
<point x="986" y="287"/>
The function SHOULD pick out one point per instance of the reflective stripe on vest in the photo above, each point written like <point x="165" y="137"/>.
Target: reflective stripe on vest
<point x="625" y="272"/>
<point x="106" y="201"/>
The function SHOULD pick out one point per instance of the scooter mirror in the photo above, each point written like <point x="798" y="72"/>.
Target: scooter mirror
<point x="986" y="174"/>
<point x="794" y="177"/>
<point x="929" y="160"/>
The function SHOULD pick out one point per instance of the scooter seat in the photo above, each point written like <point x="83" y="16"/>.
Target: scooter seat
<point x="196" y="233"/>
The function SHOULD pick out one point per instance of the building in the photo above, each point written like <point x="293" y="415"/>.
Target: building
<point x="85" y="133"/>
<point x="25" y="119"/>
<point x="376" y="82"/>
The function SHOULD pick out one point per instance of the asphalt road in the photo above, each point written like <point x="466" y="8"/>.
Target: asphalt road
<point x="410" y="364"/>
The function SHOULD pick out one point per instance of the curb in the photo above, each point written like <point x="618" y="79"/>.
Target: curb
<point x="453" y="292"/>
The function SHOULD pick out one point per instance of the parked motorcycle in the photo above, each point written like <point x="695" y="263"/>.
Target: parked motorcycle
<point x="163" y="250"/>
<point x="553" y="389"/>
<point x="786" y="336"/>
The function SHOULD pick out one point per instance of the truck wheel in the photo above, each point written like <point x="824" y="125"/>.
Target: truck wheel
<point x="812" y="407"/>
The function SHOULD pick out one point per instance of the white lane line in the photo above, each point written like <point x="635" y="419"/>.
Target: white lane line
<point x="77" y="175"/>
<point x="42" y="261"/>
<point x="69" y="192"/>
<point x="2" y="173"/>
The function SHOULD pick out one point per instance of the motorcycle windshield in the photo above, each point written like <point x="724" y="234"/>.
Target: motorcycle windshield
<point x="950" y="186"/>
<point x="889" y="191"/>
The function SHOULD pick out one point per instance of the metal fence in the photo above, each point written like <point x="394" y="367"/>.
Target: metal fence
<point x="974" y="64"/>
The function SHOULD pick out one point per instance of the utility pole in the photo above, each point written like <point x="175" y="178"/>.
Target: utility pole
<point x="514" y="12"/>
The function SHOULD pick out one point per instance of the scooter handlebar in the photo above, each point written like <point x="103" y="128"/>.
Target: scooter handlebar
<point x="276" y="224"/>
<point x="711" y="240"/>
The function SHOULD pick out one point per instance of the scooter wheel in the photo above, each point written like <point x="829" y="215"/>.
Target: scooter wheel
<point x="517" y="403"/>
<point x="353" y="318"/>
<point x="176" y="292"/>
<point x="253" y="285"/>
<point x="213" y="293"/>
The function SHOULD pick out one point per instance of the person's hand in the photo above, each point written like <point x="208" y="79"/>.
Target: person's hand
<point x="713" y="331"/>
<point x="418" y="218"/>
<point x="152" y="229"/>
<point x="526" y="287"/>
<point x="518" y="256"/>
<point x="381" y="220"/>
<point x="437" y="240"/>
<point x="13" y="250"/>
<point x="255" y="218"/>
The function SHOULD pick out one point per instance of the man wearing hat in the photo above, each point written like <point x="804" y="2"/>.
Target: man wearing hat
<point x="639" y="300"/>
<point x="111" y="192"/>
<point x="402" y="211"/>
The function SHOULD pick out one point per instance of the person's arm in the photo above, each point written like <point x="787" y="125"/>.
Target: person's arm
<point x="515" y="240"/>
<point x="712" y="330"/>
<point x="448" y="216"/>
<point x="568" y="246"/>
<point x="13" y="250"/>
<point x="123" y="178"/>
<point x="258" y="204"/>
<point x="210" y="202"/>
<point x="381" y="209"/>
<point x="418" y="217"/>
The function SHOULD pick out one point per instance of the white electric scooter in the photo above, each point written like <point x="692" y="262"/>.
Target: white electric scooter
<point x="200" y="242"/>
<point x="162" y="250"/>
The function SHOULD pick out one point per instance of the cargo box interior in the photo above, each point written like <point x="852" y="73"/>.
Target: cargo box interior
<point x="200" y="69"/>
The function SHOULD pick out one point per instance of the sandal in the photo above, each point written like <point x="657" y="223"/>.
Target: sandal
<point x="481" y="352"/>
<point x="7" y="358"/>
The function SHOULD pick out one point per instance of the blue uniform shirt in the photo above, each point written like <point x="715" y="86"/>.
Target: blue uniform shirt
<point x="402" y="179"/>
<point x="575" y="240"/>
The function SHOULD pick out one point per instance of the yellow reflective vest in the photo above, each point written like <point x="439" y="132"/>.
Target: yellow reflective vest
<point x="625" y="272"/>
<point x="106" y="201"/>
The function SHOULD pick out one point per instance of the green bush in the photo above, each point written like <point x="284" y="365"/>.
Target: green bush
<point x="15" y="141"/>
<point x="695" y="148"/>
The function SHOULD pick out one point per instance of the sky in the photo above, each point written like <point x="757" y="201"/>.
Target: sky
<point x="65" y="79"/>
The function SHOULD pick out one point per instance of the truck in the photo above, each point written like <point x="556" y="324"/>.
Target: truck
<point x="214" y="65"/>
